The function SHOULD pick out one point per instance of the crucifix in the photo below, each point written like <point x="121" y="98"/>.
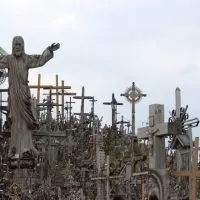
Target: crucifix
<point x="82" y="97"/>
<point x="114" y="105"/>
<point x="194" y="173"/>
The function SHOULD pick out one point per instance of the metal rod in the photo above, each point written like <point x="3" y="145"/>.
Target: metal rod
<point x="107" y="181"/>
<point x="38" y="88"/>
<point x="189" y="131"/>
<point x="63" y="101"/>
<point x="133" y="108"/>
<point x="82" y="103"/>
<point x="38" y="94"/>
<point x="57" y="97"/>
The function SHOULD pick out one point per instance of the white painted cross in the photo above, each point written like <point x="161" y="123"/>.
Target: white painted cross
<point x="156" y="133"/>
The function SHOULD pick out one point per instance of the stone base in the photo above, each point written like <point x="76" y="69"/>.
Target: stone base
<point x="26" y="161"/>
<point x="21" y="163"/>
<point x="24" y="178"/>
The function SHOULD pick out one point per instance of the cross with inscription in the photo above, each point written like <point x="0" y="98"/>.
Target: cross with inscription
<point x="155" y="133"/>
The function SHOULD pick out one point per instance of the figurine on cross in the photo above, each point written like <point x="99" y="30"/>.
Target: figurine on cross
<point x="20" y="108"/>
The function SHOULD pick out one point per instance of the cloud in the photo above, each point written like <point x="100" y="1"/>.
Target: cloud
<point x="106" y="45"/>
<point x="64" y="20"/>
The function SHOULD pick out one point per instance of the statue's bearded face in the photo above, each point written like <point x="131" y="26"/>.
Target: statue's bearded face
<point x="18" y="49"/>
<point x="18" y="46"/>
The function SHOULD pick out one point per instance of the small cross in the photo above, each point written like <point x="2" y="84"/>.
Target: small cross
<point x="114" y="105"/>
<point x="82" y="97"/>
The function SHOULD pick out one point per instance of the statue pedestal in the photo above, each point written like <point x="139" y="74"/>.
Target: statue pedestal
<point x="24" y="178"/>
<point x="27" y="161"/>
<point x="21" y="164"/>
<point x="23" y="175"/>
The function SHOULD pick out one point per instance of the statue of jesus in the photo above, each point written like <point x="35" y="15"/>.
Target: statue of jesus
<point x="21" y="115"/>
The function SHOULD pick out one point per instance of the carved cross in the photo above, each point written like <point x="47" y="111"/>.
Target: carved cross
<point x="156" y="133"/>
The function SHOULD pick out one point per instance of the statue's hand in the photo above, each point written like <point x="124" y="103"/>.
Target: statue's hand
<point x="54" y="46"/>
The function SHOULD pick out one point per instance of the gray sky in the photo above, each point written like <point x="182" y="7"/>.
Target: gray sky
<point x="108" y="44"/>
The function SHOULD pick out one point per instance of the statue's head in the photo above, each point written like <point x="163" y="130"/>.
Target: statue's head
<point x="18" y="46"/>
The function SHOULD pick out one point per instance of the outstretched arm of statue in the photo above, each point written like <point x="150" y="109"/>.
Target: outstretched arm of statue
<point x="3" y="62"/>
<point x="40" y="60"/>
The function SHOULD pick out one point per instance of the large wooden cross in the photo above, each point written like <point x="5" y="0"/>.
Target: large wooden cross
<point x="62" y="93"/>
<point x="56" y="87"/>
<point x="194" y="173"/>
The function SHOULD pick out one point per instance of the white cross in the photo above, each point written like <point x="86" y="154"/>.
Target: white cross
<point x="156" y="133"/>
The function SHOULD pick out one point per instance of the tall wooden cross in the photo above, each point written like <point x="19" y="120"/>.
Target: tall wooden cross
<point x="82" y="97"/>
<point x="62" y="93"/>
<point x="39" y="86"/>
<point x="114" y="105"/>
<point x="194" y="173"/>
<point x="57" y="87"/>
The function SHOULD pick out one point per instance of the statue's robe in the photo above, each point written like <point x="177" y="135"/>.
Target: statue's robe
<point x="20" y="108"/>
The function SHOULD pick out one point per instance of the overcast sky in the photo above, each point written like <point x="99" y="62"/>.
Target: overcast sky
<point x="108" y="44"/>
